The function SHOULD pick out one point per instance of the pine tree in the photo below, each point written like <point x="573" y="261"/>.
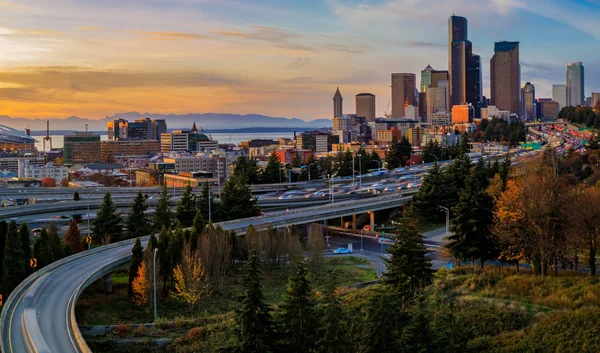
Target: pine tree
<point x="138" y="224"/>
<point x="480" y="175"/>
<point x="76" y="196"/>
<point x="176" y="244"/>
<point x="399" y="153"/>
<point x="473" y="218"/>
<point x="73" y="238"/>
<point x="107" y="222"/>
<point x="252" y="316"/>
<point x="137" y="257"/>
<point x="331" y="335"/>
<point x="186" y="209"/>
<point x="56" y="249"/>
<point x="408" y="268"/>
<point x="457" y="177"/>
<point x="237" y="201"/>
<point x="297" y="320"/>
<point x="384" y="319"/>
<point x="3" y="231"/>
<point x="42" y="250"/>
<point x="162" y="215"/>
<point x="505" y="169"/>
<point x="203" y="200"/>
<point x="246" y="169"/>
<point x="14" y="260"/>
<point x="431" y="195"/>
<point x="463" y="148"/>
<point x="273" y="173"/>
<point x="164" y="260"/>
<point x="25" y="241"/>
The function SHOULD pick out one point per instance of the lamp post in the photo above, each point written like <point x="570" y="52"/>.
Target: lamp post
<point x="88" y="216"/>
<point x="434" y="156"/>
<point x="209" y="204"/>
<point x="154" y="273"/>
<point x="380" y="164"/>
<point x="359" y="179"/>
<point x="360" y="163"/>
<point x="331" y="185"/>
<point x="447" y="218"/>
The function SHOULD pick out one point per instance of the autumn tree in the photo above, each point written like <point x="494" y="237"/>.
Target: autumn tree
<point x="48" y="183"/>
<point x="586" y="222"/>
<point x="142" y="286"/>
<point x="190" y="280"/>
<point x="73" y="238"/>
<point x="216" y="253"/>
<point x="137" y="257"/>
<point x="316" y="247"/>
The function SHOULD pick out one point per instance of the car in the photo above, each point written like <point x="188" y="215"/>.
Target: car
<point x="341" y="251"/>
<point x="388" y="188"/>
<point x="285" y="197"/>
<point x="319" y="194"/>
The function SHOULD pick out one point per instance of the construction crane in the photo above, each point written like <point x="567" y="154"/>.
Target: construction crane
<point x="47" y="137"/>
<point x="387" y="110"/>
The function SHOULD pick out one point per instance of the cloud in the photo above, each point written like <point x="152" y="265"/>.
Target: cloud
<point x="420" y="44"/>
<point x="89" y="28"/>
<point x="170" y="35"/>
<point x="299" y="62"/>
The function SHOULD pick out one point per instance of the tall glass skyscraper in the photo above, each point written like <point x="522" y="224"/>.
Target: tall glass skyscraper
<point x="575" y="84"/>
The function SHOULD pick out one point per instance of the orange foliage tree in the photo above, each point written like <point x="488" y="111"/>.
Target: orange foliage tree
<point x="48" y="183"/>
<point x="142" y="285"/>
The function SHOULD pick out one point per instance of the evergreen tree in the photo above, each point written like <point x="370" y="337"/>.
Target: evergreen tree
<point x="432" y="150"/>
<point x="164" y="260"/>
<point x="505" y="169"/>
<point x="73" y="238"/>
<point x="42" y="250"/>
<point x="313" y="168"/>
<point x="344" y="164"/>
<point x="252" y="316"/>
<point x="432" y="194"/>
<point x="408" y="268"/>
<point x="203" y="200"/>
<point x="480" y="175"/>
<point x="273" y="173"/>
<point x="26" y="243"/>
<point x="463" y="148"/>
<point x="382" y="323"/>
<point x="14" y="260"/>
<point x="176" y="244"/>
<point x="162" y="215"/>
<point x="458" y="175"/>
<point x="246" y="169"/>
<point x="3" y="231"/>
<point x="186" y="209"/>
<point x="55" y="245"/>
<point x="76" y="196"/>
<point x="399" y="153"/>
<point x="374" y="162"/>
<point x="137" y="257"/>
<point x="332" y="336"/>
<point x="237" y="201"/>
<point x="473" y="218"/>
<point x="107" y="222"/>
<point x="297" y="316"/>
<point x="137" y="221"/>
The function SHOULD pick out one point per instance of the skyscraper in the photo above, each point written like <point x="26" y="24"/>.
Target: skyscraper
<point x="575" y="84"/>
<point x="429" y="102"/>
<point x="365" y="106"/>
<point x="403" y="93"/>
<point x="337" y="104"/>
<point x="527" y="101"/>
<point x="465" y="68"/>
<point x="559" y="95"/>
<point x="505" y="74"/>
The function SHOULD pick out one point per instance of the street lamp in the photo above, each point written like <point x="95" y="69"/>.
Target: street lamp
<point x="331" y="185"/>
<point x="442" y="208"/>
<point x="88" y="215"/>
<point x="360" y="162"/>
<point x="209" y="204"/>
<point x="154" y="272"/>
<point x="434" y="156"/>
<point x="380" y="164"/>
<point x="359" y="179"/>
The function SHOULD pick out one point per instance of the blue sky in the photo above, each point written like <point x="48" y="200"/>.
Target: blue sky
<point x="275" y="57"/>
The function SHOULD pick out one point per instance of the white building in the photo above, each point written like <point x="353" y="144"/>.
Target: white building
<point x="56" y="173"/>
<point x="493" y="112"/>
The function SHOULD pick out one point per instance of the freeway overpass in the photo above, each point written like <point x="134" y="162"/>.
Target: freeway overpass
<point x="39" y="316"/>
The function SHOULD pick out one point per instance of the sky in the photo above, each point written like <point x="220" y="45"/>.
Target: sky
<point x="95" y="58"/>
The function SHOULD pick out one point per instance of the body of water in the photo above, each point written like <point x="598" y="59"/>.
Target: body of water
<point x="235" y="138"/>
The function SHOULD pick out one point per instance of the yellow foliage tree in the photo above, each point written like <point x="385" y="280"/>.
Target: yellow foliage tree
<point x="190" y="280"/>
<point x="141" y="286"/>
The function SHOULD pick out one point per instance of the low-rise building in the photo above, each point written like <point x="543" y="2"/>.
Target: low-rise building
<point x="13" y="164"/>
<point x="81" y="147"/>
<point x="316" y="141"/>
<point x="111" y="149"/>
<point x="192" y="179"/>
<point x="288" y="155"/>
<point x="56" y="173"/>
<point x="388" y="135"/>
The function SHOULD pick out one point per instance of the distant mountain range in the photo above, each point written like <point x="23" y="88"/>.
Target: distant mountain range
<point x="207" y="121"/>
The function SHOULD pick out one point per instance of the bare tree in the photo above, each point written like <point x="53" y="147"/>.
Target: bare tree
<point x="216" y="253"/>
<point x="586" y="222"/>
<point x="316" y="247"/>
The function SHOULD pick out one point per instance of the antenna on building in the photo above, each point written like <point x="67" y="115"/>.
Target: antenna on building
<point x="47" y="137"/>
<point x="86" y="127"/>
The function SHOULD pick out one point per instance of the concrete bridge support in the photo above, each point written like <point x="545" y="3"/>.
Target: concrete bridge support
<point x="372" y="220"/>
<point x="107" y="281"/>
<point x="353" y="222"/>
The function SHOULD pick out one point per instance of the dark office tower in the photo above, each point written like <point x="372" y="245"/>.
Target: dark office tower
<point x="337" y="104"/>
<point x="505" y="74"/>
<point x="528" y="102"/>
<point x="403" y="93"/>
<point x="473" y="81"/>
<point x="458" y="49"/>
<point x="365" y="106"/>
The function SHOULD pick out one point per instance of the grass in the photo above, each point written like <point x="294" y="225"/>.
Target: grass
<point x="96" y="308"/>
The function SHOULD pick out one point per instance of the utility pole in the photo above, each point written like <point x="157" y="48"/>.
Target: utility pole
<point x="154" y="272"/>
<point x="447" y="218"/>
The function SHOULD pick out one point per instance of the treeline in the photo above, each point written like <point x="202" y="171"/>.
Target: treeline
<point x="16" y="251"/>
<point x="580" y="115"/>
<point x="543" y="213"/>
<point x="499" y="130"/>
<point x="275" y="171"/>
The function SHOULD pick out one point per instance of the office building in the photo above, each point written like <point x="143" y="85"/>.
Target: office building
<point x="505" y="74"/>
<point x="81" y="147"/>
<point x="365" y="106"/>
<point x="318" y="142"/>
<point x="14" y="164"/>
<point x="462" y="114"/>
<point x="403" y="93"/>
<point x="595" y="100"/>
<point x="192" y="179"/>
<point x="337" y="103"/>
<point x="186" y="140"/>
<point x="438" y="98"/>
<point x="389" y="135"/>
<point x="528" y="101"/>
<point x="111" y="149"/>
<point x="490" y="112"/>
<point x="141" y="129"/>
<point x="575" y="84"/>
<point x="550" y="109"/>
<point x="464" y="66"/>
<point x="429" y="98"/>
<point x="559" y="95"/>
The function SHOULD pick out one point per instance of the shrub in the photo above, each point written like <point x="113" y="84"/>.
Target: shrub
<point x="140" y="331"/>
<point x="195" y="333"/>
<point x="180" y="321"/>
<point x="162" y="323"/>
<point x="122" y="330"/>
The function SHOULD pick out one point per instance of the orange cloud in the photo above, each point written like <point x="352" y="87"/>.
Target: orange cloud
<point x="170" y="35"/>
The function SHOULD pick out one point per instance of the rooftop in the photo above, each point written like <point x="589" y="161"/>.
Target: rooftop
<point x="505" y="46"/>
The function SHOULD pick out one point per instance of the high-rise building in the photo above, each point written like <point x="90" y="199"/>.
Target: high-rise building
<point x="464" y="66"/>
<point x="365" y="106"/>
<point x="575" y="84"/>
<point x="186" y="140"/>
<point x="403" y="93"/>
<point x="505" y="74"/>
<point x="337" y="103"/>
<point x="438" y="99"/>
<point x="527" y="101"/>
<point x="559" y="95"/>
<point x="432" y="80"/>
<point x="142" y="129"/>
<point x="595" y="99"/>
<point x="81" y="147"/>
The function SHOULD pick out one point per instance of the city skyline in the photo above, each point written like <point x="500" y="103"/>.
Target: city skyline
<point x="274" y="58"/>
